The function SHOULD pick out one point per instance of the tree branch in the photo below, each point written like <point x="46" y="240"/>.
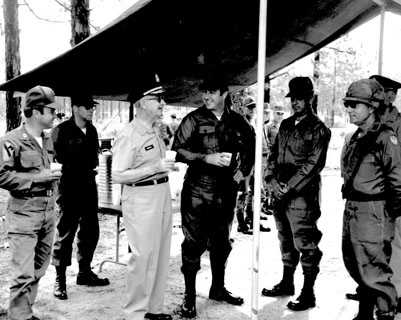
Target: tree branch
<point x="67" y="8"/>
<point x="40" y="18"/>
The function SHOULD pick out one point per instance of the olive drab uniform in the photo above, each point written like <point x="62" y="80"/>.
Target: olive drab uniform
<point x="371" y="166"/>
<point x="393" y="119"/>
<point x="296" y="160"/>
<point x="30" y="216"/>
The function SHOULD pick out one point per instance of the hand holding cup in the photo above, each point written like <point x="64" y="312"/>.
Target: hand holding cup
<point x="227" y="158"/>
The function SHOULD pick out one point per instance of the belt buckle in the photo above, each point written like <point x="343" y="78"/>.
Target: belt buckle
<point x="49" y="193"/>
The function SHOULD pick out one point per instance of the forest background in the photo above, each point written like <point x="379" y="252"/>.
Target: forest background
<point x="45" y="33"/>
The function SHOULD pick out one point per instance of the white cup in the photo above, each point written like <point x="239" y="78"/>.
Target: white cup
<point x="170" y="154"/>
<point x="55" y="166"/>
<point x="228" y="156"/>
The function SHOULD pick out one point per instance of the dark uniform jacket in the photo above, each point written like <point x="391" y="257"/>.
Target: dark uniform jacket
<point x="299" y="152"/>
<point x="21" y="156"/>
<point x="201" y="133"/>
<point x="79" y="154"/>
<point x="76" y="151"/>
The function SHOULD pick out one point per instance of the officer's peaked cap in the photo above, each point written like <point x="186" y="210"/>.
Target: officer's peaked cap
<point x="387" y="83"/>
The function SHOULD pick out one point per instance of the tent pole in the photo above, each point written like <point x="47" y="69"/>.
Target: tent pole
<point x="258" y="156"/>
<point x="382" y="16"/>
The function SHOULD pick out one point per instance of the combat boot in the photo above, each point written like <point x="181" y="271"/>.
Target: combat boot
<point x="366" y="304"/>
<point x="385" y="316"/>
<point x="307" y="297"/>
<point x="60" y="286"/>
<point x="188" y="306"/>
<point x="304" y="301"/>
<point x="285" y="287"/>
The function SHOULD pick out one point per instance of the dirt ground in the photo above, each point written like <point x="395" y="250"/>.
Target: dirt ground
<point x="105" y="303"/>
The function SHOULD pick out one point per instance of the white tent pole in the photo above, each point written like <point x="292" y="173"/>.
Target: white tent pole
<point x="382" y="16"/>
<point x="258" y="156"/>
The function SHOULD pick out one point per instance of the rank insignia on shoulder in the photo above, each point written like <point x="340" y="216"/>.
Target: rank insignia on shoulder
<point x="150" y="147"/>
<point x="394" y="140"/>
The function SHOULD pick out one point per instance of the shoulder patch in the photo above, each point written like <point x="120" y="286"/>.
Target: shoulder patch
<point x="8" y="151"/>
<point x="394" y="140"/>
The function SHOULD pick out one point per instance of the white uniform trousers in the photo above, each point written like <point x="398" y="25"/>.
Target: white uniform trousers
<point x="147" y="214"/>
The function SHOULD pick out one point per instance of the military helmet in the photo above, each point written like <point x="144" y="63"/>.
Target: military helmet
<point x="367" y="91"/>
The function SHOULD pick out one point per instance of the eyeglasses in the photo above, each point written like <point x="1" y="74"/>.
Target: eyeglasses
<point x="158" y="97"/>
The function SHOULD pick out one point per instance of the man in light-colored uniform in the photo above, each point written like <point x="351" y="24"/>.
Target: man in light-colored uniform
<point x="25" y="157"/>
<point x="140" y="164"/>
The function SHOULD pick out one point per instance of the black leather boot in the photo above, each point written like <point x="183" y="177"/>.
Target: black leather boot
<point x="387" y="316"/>
<point x="60" y="286"/>
<point x="366" y="304"/>
<point x="285" y="287"/>
<point x="307" y="297"/>
<point x="304" y="301"/>
<point x="188" y="306"/>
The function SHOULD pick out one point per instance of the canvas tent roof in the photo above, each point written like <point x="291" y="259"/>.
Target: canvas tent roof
<point x="181" y="40"/>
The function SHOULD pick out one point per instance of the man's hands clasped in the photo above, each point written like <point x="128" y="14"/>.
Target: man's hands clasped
<point x="277" y="189"/>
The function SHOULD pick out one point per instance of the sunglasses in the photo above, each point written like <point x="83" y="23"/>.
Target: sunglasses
<point x="350" y="105"/>
<point x="89" y="107"/>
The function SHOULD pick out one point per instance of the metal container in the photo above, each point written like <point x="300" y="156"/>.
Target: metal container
<point x="109" y="192"/>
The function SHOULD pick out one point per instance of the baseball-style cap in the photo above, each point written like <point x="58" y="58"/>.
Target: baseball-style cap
<point x="249" y="102"/>
<point x="300" y="87"/>
<point x="41" y="96"/>
<point x="82" y="99"/>
<point x="387" y="83"/>
<point x="147" y="87"/>
<point x="367" y="91"/>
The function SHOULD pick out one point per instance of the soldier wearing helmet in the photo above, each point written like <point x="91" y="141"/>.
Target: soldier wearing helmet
<point x="389" y="115"/>
<point x="371" y="168"/>
<point x="293" y="177"/>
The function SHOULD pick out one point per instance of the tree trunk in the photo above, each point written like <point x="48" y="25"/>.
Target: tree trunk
<point x="79" y="21"/>
<point x="13" y="61"/>
<point x="316" y="76"/>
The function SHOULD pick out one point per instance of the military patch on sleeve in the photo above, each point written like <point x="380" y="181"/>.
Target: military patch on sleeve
<point x="8" y="151"/>
<point x="394" y="140"/>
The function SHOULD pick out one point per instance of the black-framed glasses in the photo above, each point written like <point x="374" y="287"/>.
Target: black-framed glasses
<point x="158" y="97"/>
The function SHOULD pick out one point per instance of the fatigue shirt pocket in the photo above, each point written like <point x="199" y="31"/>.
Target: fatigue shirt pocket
<point x="31" y="160"/>
<point x="208" y="138"/>
<point x="302" y="142"/>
